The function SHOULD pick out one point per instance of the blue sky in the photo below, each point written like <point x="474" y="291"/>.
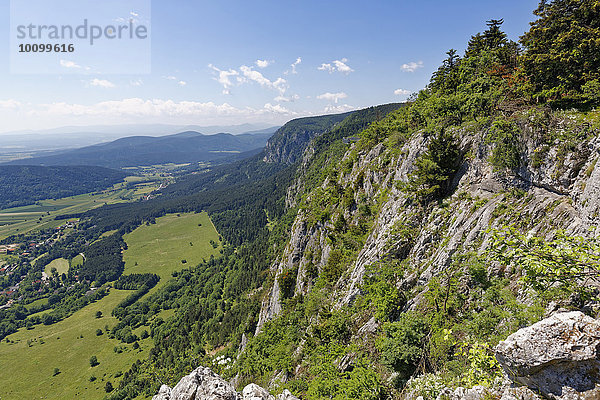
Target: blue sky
<point x="230" y="62"/>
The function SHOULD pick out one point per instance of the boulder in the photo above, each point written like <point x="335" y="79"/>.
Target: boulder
<point x="163" y="394"/>
<point x="255" y="392"/>
<point x="203" y="384"/>
<point x="286" y="395"/>
<point x="558" y="357"/>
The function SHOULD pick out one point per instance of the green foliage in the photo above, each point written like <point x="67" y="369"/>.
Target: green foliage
<point x="402" y="346"/>
<point x="334" y="267"/>
<point x="381" y="293"/>
<point x="94" y="361"/>
<point x="483" y="368"/>
<point x="287" y="282"/>
<point x="435" y="168"/>
<point x="562" y="50"/>
<point x="565" y="263"/>
<point x="505" y="136"/>
<point x="328" y="382"/>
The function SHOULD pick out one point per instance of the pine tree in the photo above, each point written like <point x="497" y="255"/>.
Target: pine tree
<point x="563" y="49"/>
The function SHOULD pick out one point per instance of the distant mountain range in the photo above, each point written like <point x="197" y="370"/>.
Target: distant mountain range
<point x="71" y="137"/>
<point x="184" y="147"/>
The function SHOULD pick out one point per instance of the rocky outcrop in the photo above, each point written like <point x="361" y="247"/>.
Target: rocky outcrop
<point x="558" y="356"/>
<point x="290" y="141"/>
<point x="203" y="384"/>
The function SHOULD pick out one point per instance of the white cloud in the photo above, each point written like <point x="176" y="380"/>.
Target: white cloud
<point x="263" y="63"/>
<point x="223" y="77"/>
<point x="326" y="67"/>
<point x="18" y="116"/>
<point x="69" y="64"/>
<point x="287" y="99"/>
<point x="402" y="92"/>
<point x="182" y="83"/>
<point x="294" y="65"/>
<point x="140" y="108"/>
<point x="102" y="83"/>
<point x="338" y="109"/>
<point x="279" y="84"/>
<point x="335" y="97"/>
<point x="412" y="66"/>
<point x="134" y="14"/>
<point x="10" y="104"/>
<point x="137" y="82"/>
<point x="336" y="65"/>
<point x="278" y="109"/>
<point x="171" y="78"/>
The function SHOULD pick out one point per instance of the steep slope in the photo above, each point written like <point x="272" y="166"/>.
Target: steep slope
<point x="184" y="147"/>
<point x="288" y="143"/>
<point x="364" y="251"/>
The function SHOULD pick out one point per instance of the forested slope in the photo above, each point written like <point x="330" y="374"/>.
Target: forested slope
<point x="23" y="185"/>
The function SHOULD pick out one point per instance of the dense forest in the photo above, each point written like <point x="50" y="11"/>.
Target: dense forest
<point x="24" y="185"/>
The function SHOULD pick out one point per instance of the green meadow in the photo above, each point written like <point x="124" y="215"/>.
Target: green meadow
<point x="61" y="265"/>
<point x="163" y="247"/>
<point x="28" y="362"/>
<point x="42" y="214"/>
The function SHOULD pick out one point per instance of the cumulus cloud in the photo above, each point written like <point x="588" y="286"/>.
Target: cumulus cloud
<point x="336" y="65"/>
<point x="224" y="77"/>
<point x="141" y="108"/>
<point x="335" y="97"/>
<point x="10" y="104"/>
<point x="102" y="83"/>
<point x="277" y="109"/>
<point x="412" y="66"/>
<point x="279" y="84"/>
<point x="338" y="109"/>
<point x="17" y="116"/>
<point x="402" y="92"/>
<point x="294" y="65"/>
<point x="289" y="99"/>
<point x="69" y="64"/>
<point x="263" y="63"/>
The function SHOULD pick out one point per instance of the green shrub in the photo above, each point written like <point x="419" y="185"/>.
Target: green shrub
<point x="402" y="346"/>
<point x="504" y="136"/>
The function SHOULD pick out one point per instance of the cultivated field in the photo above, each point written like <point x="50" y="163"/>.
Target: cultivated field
<point x="28" y="362"/>
<point x="42" y="214"/>
<point x="160" y="248"/>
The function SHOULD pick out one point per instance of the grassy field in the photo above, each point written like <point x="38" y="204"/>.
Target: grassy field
<point x="61" y="265"/>
<point x="28" y="362"/>
<point x="160" y="248"/>
<point x="42" y="214"/>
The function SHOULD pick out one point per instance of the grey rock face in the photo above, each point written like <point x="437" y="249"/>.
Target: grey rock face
<point x="255" y="392"/>
<point x="203" y="384"/>
<point x="286" y="395"/>
<point x="163" y="394"/>
<point x="559" y="356"/>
